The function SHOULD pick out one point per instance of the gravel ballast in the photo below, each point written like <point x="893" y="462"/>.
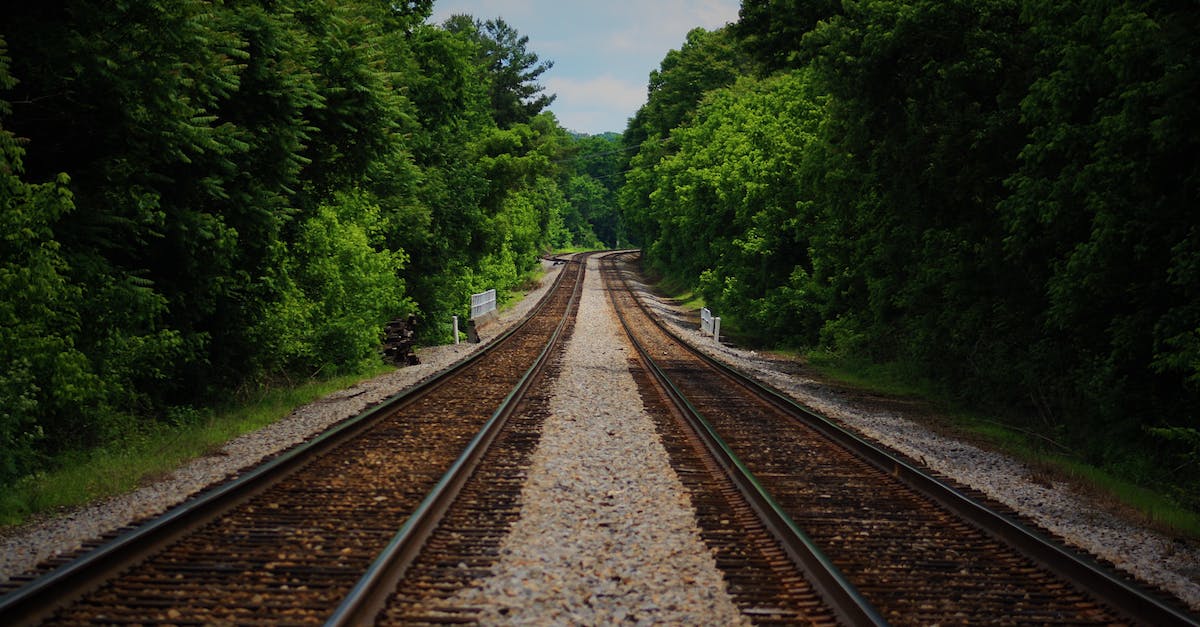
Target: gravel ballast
<point x="607" y="533"/>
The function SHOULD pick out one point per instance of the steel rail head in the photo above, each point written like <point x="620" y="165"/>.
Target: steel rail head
<point x="38" y="599"/>
<point x="369" y="595"/>
<point x="847" y="603"/>
<point x="1081" y="570"/>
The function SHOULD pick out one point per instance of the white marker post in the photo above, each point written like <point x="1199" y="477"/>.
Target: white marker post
<point x="710" y="324"/>
<point x="456" y="329"/>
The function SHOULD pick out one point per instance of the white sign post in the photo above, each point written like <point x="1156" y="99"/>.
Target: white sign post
<point x="710" y="324"/>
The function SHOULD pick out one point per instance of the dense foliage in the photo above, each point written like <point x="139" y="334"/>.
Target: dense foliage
<point x="998" y="196"/>
<point x="199" y="197"/>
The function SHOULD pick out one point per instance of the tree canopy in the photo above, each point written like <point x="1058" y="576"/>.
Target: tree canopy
<point x="200" y="198"/>
<point x="997" y="197"/>
<point x="511" y="69"/>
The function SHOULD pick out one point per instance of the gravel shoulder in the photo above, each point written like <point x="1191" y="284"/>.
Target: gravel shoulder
<point x="23" y="547"/>
<point x="1079" y="519"/>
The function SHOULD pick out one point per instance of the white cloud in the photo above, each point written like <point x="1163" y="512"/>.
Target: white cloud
<point x="595" y="105"/>
<point x="662" y="25"/>
<point x="601" y="91"/>
<point x="603" y="50"/>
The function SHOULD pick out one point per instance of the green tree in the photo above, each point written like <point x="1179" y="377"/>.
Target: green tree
<point x="200" y="195"/>
<point x="921" y="133"/>
<point x="1102" y="214"/>
<point x="772" y="31"/>
<point x="590" y="205"/>
<point x="340" y="289"/>
<point x="42" y="373"/>
<point x="593" y="185"/>
<point x="512" y="70"/>
<point x="124" y="98"/>
<point x="706" y="61"/>
<point x="736" y="213"/>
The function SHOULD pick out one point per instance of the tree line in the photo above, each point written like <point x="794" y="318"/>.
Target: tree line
<point x="200" y="197"/>
<point x="997" y="196"/>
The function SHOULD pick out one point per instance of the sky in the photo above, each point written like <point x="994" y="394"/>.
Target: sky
<point x="603" y="50"/>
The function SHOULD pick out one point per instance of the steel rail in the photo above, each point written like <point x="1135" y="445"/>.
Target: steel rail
<point x="847" y="603"/>
<point x="370" y="595"/>
<point x="1080" y="570"/>
<point x="37" y="600"/>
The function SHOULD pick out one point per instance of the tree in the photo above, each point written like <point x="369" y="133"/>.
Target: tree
<point x="124" y="100"/>
<point x="921" y="131"/>
<point x="735" y="205"/>
<point x="512" y="70"/>
<point x="199" y="197"/>
<point x="43" y="374"/>
<point x="1102" y="213"/>
<point x="772" y="31"/>
<point x="340" y="289"/>
<point x="706" y="61"/>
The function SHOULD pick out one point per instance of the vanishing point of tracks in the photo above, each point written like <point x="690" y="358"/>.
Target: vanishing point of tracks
<point x="880" y="540"/>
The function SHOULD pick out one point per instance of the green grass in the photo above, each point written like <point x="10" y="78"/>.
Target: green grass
<point x="83" y="477"/>
<point x="513" y="296"/>
<point x="890" y="379"/>
<point x="1155" y="507"/>
<point x="570" y="250"/>
<point x="1047" y="461"/>
<point x="679" y="292"/>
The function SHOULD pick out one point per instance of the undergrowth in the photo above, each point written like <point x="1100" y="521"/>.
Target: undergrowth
<point x="81" y="477"/>
<point x="1048" y="460"/>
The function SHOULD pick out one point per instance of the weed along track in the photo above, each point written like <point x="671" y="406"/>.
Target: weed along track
<point x="288" y="542"/>
<point x="918" y="551"/>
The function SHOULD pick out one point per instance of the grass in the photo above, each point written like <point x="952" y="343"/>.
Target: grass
<point x="84" y="477"/>
<point x="687" y="298"/>
<point x="1048" y="462"/>
<point x="514" y="295"/>
<point x="569" y="250"/>
<point x="887" y="379"/>
<point x="678" y="291"/>
<point x="1150" y="505"/>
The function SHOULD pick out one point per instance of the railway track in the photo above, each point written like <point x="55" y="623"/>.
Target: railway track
<point x="915" y="549"/>
<point x="455" y="540"/>
<point x="767" y="580"/>
<point x="464" y="547"/>
<point x="311" y="536"/>
<point x="386" y="518"/>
